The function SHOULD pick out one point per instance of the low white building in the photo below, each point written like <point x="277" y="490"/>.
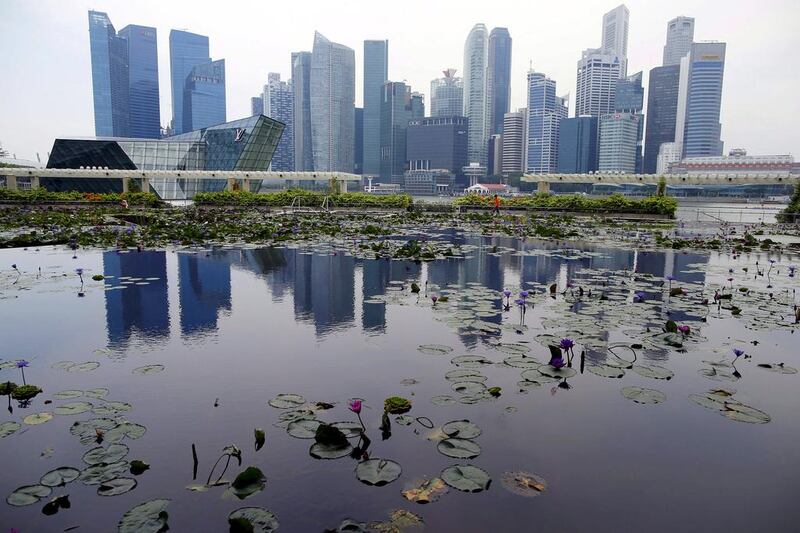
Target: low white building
<point x="490" y="189"/>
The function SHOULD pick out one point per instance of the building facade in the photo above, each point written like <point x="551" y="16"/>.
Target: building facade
<point x="256" y="105"/>
<point x="577" y="145"/>
<point x="629" y="98"/>
<point x="662" y="110"/>
<point x="204" y="96"/>
<point x="301" y="85"/>
<point x="703" y="131"/>
<point x="438" y="143"/>
<point x="376" y="73"/>
<point x="278" y="100"/>
<point x="545" y="111"/>
<point x="615" y="36"/>
<point x="619" y="134"/>
<point x="144" y="112"/>
<point x="514" y="141"/>
<point x="358" y="163"/>
<point x="333" y="80"/>
<point x="596" y="88"/>
<point x="447" y="95"/>
<point x="186" y="51"/>
<point x="475" y="59"/>
<point x="396" y="112"/>
<point x="429" y="182"/>
<point x="680" y="36"/>
<point x="498" y="79"/>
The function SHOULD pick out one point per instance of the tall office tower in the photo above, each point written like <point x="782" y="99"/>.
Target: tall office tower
<point x="495" y="155"/>
<point x="545" y="111"/>
<point x="333" y="93"/>
<point x="629" y="98"/>
<point x="702" y="133"/>
<point x="498" y="79"/>
<point x="475" y="56"/>
<point x="396" y="111"/>
<point x="358" y="163"/>
<point x="447" y="95"/>
<point x="680" y="35"/>
<point x="618" y="136"/>
<point x="417" y="105"/>
<point x="662" y="110"/>
<point x="598" y="73"/>
<point x="438" y="143"/>
<point x="109" y="54"/>
<point x="577" y="145"/>
<point x="186" y="51"/>
<point x="301" y="81"/>
<point x="514" y="127"/>
<point x="144" y="111"/>
<point x="615" y="36"/>
<point x="257" y="106"/>
<point x="204" y="96"/>
<point x="376" y="73"/>
<point x="279" y="105"/>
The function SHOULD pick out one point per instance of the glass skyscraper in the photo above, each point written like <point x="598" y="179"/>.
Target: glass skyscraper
<point x="438" y="143"/>
<point x="301" y="82"/>
<point x="618" y="141"/>
<point x="577" y="145"/>
<point x="514" y="145"/>
<point x="279" y="105"/>
<point x="186" y="50"/>
<point x="629" y="98"/>
<point x="680" y="35"/>
<point x="615" y="36"/>
<point x="597" y="77"/>
<point x="662" y="110"/>
<point x="447" y="95"/>
<point x="376" y="73"/>
<point x="702" y="134"/>
<point x="545" y="111"/>
<point x="498" y="79"/>
<point x="144" y="114"/>
<point x="358" y="164"/>
<point x="475" y="58"/>
<point x="396" y="111"/>
<point x="204" y="95"/>
<point x="333" y="79"/>
<point x="109" y="55"/>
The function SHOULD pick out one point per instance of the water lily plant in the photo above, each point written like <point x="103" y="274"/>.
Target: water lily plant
<point x="355" y="405"/>
<point x="639" y="297"/>
<point x="567" y="346"/>
<point x="21" y="364"/>
<point x="684" y="330"/>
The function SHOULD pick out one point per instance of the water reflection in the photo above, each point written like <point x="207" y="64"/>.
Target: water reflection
<point x="204" y="282"/>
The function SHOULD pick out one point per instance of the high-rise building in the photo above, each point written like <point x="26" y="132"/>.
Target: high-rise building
<point x="301" y="81"/>
<point x="662" y="110"/>
<point x="333" y="80"/>
<point x="256" y="105"/>
<point x="498" y="79"/>
<point x="186" y="51"/>
<point x="629" y="98"/>
<point x="358" y="163"/>
<point x="447" y="95"/>
<point x="577" y="145"/>
<point x="124" y="79"/>
<point x="144" y="111"/>
<point x="545" y="111"/>
<point x="204" y="96"/>
<point x="702" y="133"/>
<point x="475" y="59"/>
<point x="495" y="155"/>
<point x="376" y="73"/>
<point x="615" y="36"/>
<point x="279" y="105"/>
<point x="598" y="73"/>
<point x="680" y="35"/>
<point x="514" y="142"/>
<point x="417" y="105"/>
<point x="438" y="143"/>
<point x="618" y="138"/>
<point x="396" y="111"/>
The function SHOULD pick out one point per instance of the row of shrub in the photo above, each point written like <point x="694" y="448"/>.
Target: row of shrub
<point x="301" y="197"/>
<point x="616" y="203"/>
<point x="42" y="195"/>
<point x="792" y="211"/>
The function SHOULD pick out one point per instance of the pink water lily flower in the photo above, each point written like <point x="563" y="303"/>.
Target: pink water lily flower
<point x="354" y="405"/>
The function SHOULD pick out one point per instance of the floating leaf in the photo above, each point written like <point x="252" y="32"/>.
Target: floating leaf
<point x="644" y="396"/>
<point x="434" y="349"/>
<point x="321" y="451"/>
<point x="27" y="495"/>
<point x="73" y="408"/>
<point x="148" y="369"/>
<point x="148" y="517"/>
<point x="116" y="486"/>
<point x="745" y="413"/>
<point x="8" y="428"/>
<point x="62" y="365"/>
<point x="112" y="454"/>
<point x="459" y="448"/>
<point x="59" y="502"/>
<point x="559" y="373"/>
<point x="606" y="371"/>
<point x="470" y="361"/>
<point x="426" y="491"/>
<point x="404" y="420"/>
<point x="60" y="476"/>
<point x="779" y="368"/>
<point x="463" y="374"/>
<point x="38" y="418"/>
<point x="512" y="348"/>
<point x="400" y="521"/>
<point x="469" y="387"/>
<point x="535" y="378"/>
<point x="521" y="361"/>
<point x="463" y="429"/>
<point x="443" y="400"/>
<point x="124" y="430"/>
<point x="100" y="473"/>
<point x="96" y="393"/>
<point x="331" y="436"/>
<point x="68" y="394"/>
<point x="350" y="429"/>
<point x="287" y="401"/>
<point x="303" y="429"/>
<point x="25" y="392"/>
<point x="88" y="366"/>
<point x="378" y="472"/>
<point x="260" y="520"/>
<point x="396" y="405"/>
<point x="653" y="371"/>
<point x="260" y="438"/>
<point x="524" y="483"/>
<point x="350" y="525"/>
<point x="466" y="478"/>
<point x="138" y="467"/>
<point x="248" y="482"/>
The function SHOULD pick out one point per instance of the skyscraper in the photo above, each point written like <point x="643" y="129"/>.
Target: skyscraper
<point x="257" y="105"/>
<point x="438" y="143"/>
<point x="598" y="73"/>
<point x="186" y="50"/>
<point x="204" y="96"/>
<point x="514" y="142"/>
<point x="396" y="111"/>
<point x="615" y="36"/>
<point x="545" y="111"/>
<point x="702" y="134"/>
<point x="376" y="73"/>
<point x="618" y="139"/>
<point x="332" y="91"/>
<point x="301" y="81"/>
<point x="629" y="98"/>
<point x="577" y="145"/>
<point x="498" y="79"/>
<point x="144" y="111"/>
<point x="662" y="110"/>
<point x="680" y="35"/>
<point x="475" y="58"/>
<point x="279" y="105"/>
<point x="358" y="164"/>
<point x="447" y="95"/>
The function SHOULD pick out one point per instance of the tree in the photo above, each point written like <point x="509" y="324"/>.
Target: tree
<point x="661" y="190"/>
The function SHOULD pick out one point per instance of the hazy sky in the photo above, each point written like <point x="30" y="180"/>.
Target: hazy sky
<point x="45" y="85"/>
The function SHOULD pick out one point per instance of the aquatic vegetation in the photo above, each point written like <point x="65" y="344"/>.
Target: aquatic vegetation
<point x="147" y="517"/>
<point x="252" y="520"/>
<point x="523" y="483"/>
<point x="466" y="478"/>
<point x="378" y="472"/>
<point x="248" y="482"/>
<point x="25" y="392"/>
<point x="396" y="405"/>
<point x="426" y="490"/>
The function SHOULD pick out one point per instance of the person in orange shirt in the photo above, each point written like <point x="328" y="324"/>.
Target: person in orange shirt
<point x="496" y="210"/>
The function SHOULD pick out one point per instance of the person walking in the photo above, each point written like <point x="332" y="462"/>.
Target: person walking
<point x="496" y="210"/>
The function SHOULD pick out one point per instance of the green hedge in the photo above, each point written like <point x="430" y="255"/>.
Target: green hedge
<point x="792" y="211"/>
<point x="616" y="203"/>
<point x="303" y="197"/>
<point x="41" y="195"/>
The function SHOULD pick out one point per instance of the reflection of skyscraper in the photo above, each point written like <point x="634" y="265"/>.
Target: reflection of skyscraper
<point x="377" y="273"/>
<point x="140" y="308"/>
<point x="205" y="289"/>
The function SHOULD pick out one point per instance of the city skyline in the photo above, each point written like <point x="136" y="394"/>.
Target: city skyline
<point x="25" y="131"/>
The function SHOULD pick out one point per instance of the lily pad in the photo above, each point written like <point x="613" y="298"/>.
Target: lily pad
<point x="521" y="361"/>
<point x="559" y="373"/>
<point x="124" y="430"/>
<point x="653" y="371"/>
<point x="260" y="438"/>
<point x="138" y="467"/>
<point x="524" y="483"/>
<point x="9" y="428"/>
<point x="469" y="387"/>
<point x="396" y="405"/>
<point x="466" y="478"/>
<point x="112" y="408"/>
<point x="779" y="368"/>
<point x="643" y="396"/>
<point x="28" y="495"/>
<point x="378" y="472"/>
<point x="287" y="401"/>
<point x="745" y="413"/>
<point x="100" y="473"/>
<point x="60" y="476"/>
<point x="404" y="420"/>
<point x="321" y="451"/>
<point x="111" y="454"/>
<point x="148" y="369"/>
<point x="426" y="491"/>
<point x="148" y="517"/>
<point x="463" y="429"/>
<point x="303" y="428"/>
<point x="463" y="374"/>
<point x="470" y="361"/>
<point x="59" y="502"/>
<point x="37" y="418"/>
<point x="350" y="429"/>
<point x="73" y="408"/>
<point x="249" y="481"/>
<point x="459" y="448"/>
<point x="25" y="392"/>
<point x="62" y="365"/>
<point x="434" y="349"/>
<point x="100" y="392"/>
<point x="606" y="371"/>
<point x="116" y="486"/>
<point x="512" y="348"/>
<point x="260" y="520"/>
<point x="88" y="366"/>
<point x="443" y="399"/>
<point x="68" y="394"/>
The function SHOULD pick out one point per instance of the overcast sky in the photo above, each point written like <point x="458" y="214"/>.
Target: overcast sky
<point x="45" y="85"/>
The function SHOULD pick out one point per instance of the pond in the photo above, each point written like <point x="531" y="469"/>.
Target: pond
<point x="634" y="428"/>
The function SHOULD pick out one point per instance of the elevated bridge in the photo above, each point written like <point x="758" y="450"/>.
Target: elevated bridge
<point x="733" y="178"/>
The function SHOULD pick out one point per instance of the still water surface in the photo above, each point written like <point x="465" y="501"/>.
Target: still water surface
<point x="235" y="327"/>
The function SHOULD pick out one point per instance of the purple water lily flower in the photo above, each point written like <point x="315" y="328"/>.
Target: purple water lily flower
<point x="507" y="293"/>
<point x="520" y="302"/>
<point x="523" y="294"/>
<point x="684" y="329"/>
<point x="792" y="268"/>
<point x="639" y="297"/>
<point x="670" y="278"/>
<point x="434" y="298"/>
<point x="21" y="364"/>
<point x="738" y="352"/>
<point x="566" y="344"/>
<point x="557" y="362"/>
